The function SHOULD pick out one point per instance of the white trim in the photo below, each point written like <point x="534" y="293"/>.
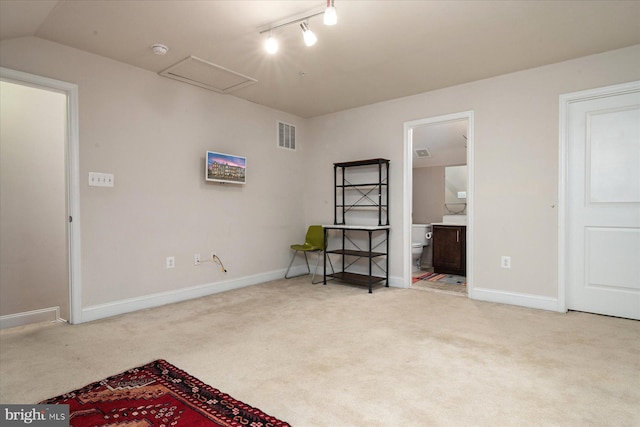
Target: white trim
<point x="73" y="177"/>
<point x="129" y="305"/>
<point x="565" y="100"/>
<point x="514" y="298"/>
<point x="51" y="314"/>
<point x="396" y="282"/>
<point x="408" y="193"/>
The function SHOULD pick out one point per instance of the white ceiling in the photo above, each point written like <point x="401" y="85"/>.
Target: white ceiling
<point x="446" y="141"/>
<point x="379" y="50"/>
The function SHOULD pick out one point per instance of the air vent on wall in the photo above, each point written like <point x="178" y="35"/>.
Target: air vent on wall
<point x="286" y="136"/>
<point x="423" y="152"/>
<point x="204" y="74"/>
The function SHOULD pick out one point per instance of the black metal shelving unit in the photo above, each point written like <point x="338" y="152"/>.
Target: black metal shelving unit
<point x="368" y="194"/>
<point x="351" y="195"/>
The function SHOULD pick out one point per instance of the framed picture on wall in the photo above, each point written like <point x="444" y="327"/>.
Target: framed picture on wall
<point x="225" y="168"/>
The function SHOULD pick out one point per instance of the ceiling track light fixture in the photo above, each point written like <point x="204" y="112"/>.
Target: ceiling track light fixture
<point x="271" y="44"/>
<point x="330" y="15"/>
<point x="309" y="38"/>
<point x="330" y="18"/>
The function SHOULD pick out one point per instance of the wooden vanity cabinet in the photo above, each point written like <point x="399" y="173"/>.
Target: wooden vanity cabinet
<point x="449" y="249"/>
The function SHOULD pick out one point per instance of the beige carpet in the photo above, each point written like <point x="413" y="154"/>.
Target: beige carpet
<point x="334" y="355"/>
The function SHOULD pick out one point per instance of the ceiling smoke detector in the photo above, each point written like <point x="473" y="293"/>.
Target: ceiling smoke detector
<point x="159" y="49"/>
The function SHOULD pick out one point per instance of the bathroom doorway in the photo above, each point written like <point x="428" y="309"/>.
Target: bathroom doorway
<point x="438" y="196"/>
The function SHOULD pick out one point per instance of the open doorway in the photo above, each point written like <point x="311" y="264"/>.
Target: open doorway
<point x="438" y="171"/>
<point x="40" y="222"/>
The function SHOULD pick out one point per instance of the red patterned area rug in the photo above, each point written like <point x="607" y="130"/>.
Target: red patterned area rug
<point x="444" y="278"/>
<point x="448" y="283"/>
<point x="158" y="394"/>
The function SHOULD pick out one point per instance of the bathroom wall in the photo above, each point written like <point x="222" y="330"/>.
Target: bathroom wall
<point x="428" y="194"/>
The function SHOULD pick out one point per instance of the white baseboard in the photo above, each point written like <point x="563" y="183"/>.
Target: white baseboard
<point x="50" y="314"/>
<point x="115" y="308"/>
<point x="523" y="300"/>
<point x="502" y="297"/>
<point x="396" y="282"/>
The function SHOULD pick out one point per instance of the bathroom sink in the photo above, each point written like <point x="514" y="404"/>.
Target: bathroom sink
<point x="454" y="219"/>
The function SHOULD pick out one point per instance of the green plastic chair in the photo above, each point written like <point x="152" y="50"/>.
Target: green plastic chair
<point x="313" y="242"/>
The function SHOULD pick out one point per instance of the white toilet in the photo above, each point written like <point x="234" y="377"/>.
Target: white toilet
<point x="420" y="238"/>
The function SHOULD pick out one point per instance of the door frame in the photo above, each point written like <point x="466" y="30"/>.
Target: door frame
<point x="72" y="167"/>
<point x="563" y="157"/>
<point x="407" y="194"/>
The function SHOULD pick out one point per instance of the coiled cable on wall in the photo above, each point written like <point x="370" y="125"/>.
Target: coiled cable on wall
<point x="218" y="261"/>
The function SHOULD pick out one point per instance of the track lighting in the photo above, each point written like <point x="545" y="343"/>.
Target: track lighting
<point x="309" y="38"/>
<point x="330" y="18"/>
<point x="330" y="15"/>
<point x="271" y="44"/>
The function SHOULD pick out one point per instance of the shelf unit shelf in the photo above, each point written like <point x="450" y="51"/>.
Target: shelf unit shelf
<point x="374" y="184"/>
<point x="356" y="253"/>
<point x="357" y="278"/>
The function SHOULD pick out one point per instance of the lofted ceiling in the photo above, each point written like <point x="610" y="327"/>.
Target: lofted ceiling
<point x="379" y="50"/>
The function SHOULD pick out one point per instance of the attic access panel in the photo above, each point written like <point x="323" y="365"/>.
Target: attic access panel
<point x="198" y="72"/>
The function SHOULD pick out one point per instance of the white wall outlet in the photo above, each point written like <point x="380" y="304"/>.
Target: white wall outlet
<point x="505" y="261"/>
<point x="97" y="179"/>
<point x="462" y="194"/>
<point x="196" y="259"/>
<point x="171" y="262"/>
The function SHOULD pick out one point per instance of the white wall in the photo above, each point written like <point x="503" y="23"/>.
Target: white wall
<point x="152" y="133"/>
<point x="33" y="211"/>
<point x="515" y="165"/>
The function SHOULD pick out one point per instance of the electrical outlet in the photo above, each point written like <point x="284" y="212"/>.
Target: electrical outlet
<point x="196" y="259"/>
<point x="171" y="262"/>
<point x="505" y="261"/>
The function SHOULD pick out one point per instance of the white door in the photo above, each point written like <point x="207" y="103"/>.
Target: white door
<point x="603" y="203"/>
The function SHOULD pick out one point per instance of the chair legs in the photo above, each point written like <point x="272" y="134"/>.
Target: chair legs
<point x="320" y="254"/>
<point x="286" y="275"/>
<point x="306" y="260"/>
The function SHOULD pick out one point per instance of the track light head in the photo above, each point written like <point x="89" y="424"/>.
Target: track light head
<point x="271" y="44"/>
<point x="330" y="18"/>
<point x="330" y="15"/>
<point x="309" y="38"/>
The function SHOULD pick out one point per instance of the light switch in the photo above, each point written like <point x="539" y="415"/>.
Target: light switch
<point x="98" y="179"/>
